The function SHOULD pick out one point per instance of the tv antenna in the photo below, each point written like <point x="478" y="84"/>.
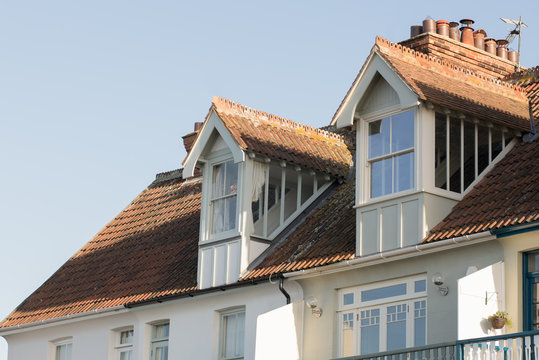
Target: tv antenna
<point x="516" y="31"/>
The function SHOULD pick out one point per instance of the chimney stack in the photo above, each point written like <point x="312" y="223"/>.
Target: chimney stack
<point x="189" y="139"/>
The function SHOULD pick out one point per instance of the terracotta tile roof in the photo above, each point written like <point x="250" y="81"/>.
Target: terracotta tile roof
<point x="508" y="195"/>
<point x="282" y="139"/>
<point x="327" y="235"/>
<point x="149" y="250"/>
<point x="436" y="80"/>
<point x="529" y="80"/>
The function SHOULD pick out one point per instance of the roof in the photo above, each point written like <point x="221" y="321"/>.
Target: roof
<point x="149" y="250"/>
<point x="282" y="139"/>
<point x="507" y="195"/>
<point x="326" y="236"/>
<point x="442" y="82"/>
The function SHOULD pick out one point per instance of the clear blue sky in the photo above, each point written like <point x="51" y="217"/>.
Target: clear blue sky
<point x="95" y="96"/>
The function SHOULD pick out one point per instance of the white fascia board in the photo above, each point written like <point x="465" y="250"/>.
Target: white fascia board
<point x="213" y="122"/>
<point x="375" y="65"/>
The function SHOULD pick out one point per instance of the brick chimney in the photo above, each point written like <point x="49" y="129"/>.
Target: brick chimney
<point x="189" y="139"/>
<point x="460" y="53"/>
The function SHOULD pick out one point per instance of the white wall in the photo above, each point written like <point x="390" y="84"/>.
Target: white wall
<point x="480" y="294"/>
<point x="194" y="326"/>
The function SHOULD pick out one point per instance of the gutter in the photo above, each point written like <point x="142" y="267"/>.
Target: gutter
<point x="394" y="255"/>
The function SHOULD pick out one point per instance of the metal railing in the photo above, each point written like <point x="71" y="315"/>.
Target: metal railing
<point x="444" y="351"/>
<point x="516" y="346"/>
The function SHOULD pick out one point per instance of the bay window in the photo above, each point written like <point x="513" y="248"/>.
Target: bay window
<point x="391" y="154"/>
<point x="382" y="317"/>
<point x="224" y="196"/>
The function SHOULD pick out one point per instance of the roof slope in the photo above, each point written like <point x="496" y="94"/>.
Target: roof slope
<point x="282" y="139"/>
<point x="149" y="250"/>
<point x="508" y="195"/>
<point x="328" y="235"/>
<point x="445" y="84"/>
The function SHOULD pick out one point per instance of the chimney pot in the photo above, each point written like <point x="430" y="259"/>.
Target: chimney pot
<point x="442" y="27"/>
<point x="502" y="48"/>
<point x="429" y="25"/>
<point x="454" y="31"/>
<point x="466" y="35"/>
<point x="513" y="56"/>
<point x="490" y="46"/>
<point x="415" y="30"/>
<point x="479" y="39"/>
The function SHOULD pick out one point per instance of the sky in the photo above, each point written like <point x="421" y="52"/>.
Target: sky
<point x="95" y="97"/>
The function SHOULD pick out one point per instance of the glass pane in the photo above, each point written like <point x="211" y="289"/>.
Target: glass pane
<point x="384" y="292"/>
<point x="240" y="334"/>
<point x="160" y="352"/>
<point x="440" y="152"/>
<point x="482" y="148"/>
<point x="535" y="293"/>
<point x="348" y="299"/>
<point x="370" y="331"/>
<point x="497" y="143"/>
<point x="229" y="339"/>
<point x="404" y="172"/>
<point x="161" y="331"/>
<point x="126" y="337"/>
<point x="307" y="187"/>
<point x="533" y="262"/>
<point x="231" y="176"/>
<point x="348" y="335"/>
<point x="396" y="326"/>
<point x="420" y="323"/>
<point x="218" y="180"/>
<point x="508" y="137"/>
<point x="224" y="214"/>
<point x="402" y="131"/>
<point x="469" y="153"/>
<point x="381" y="178"/>
<point x="291" y="193"/>
<point x="420" y="286"/>
<point x="379" y="138"/>
<point x="454" y="154"/>
<point x="126" y="355"/>
<point x="535" y="314"/>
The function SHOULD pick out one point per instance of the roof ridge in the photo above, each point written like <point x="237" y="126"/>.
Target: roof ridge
<point x="169" y="175"/>
<point x="380" y="41"/>
<point x="250" y="112"/>
<point x="520" y="75"/>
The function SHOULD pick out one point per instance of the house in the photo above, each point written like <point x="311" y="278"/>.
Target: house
<point x="402" y="225"/>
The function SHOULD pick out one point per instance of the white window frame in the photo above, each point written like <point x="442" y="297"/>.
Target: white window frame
<point x="68" y="343"/>
<point x="382" y="304"/>
<point x="240" y="331"/>
<point x="364" y="177"/>
<point x="217" y="158"/>
<point x="120" y="348"/>
<point x="155" y="341"/>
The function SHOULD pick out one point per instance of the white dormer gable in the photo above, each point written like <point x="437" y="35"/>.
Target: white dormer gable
<point x="374" y="70"/>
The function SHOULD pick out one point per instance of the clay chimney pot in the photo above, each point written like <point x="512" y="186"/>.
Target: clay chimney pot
<point x="442" y="27"/>
<point x="429" y="25"/>
<point x="466" y="35"/>
<point x="454" y="31"/>
<point x="490" y="46"/>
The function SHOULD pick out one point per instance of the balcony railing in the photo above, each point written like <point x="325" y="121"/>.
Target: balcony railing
<point x="516" y="346"/>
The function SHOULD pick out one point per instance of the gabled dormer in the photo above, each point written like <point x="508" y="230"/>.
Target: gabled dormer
<point x="260" y="172"/>
<point x="427" y="131"/>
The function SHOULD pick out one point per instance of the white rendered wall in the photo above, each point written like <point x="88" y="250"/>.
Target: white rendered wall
<point x="480" y="295"/>
<point x="194" y="326"/>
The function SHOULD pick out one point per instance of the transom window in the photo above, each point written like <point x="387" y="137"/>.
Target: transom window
<point x="223" y="197"/>
<point x="382" y="317"/>
<point x="124" y="345"/>
<point x="464" y="149"/>
<point x="232" y="335"/>
<point x="391" y="154"/>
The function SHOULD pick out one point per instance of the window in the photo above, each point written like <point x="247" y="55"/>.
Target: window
<point x="232" y="334"/>
<point x="159" y="342"/>
<point x="531" y="290"/>
<point x="391" y="154"/>
<point x="124" y="345"/>
<point x="463" y="150"/>
<point x="63" y="350"/>
<point x="223" y="197"/>
<point x="383" y="317"/>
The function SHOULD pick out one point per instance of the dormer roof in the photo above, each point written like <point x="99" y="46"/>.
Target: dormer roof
<point x="281" y="139"/>
<point x="443" y="83"/>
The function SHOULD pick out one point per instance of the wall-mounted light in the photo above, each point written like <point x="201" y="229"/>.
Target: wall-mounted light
<point x="438" y="280"/>
<point x="312" y="303"/>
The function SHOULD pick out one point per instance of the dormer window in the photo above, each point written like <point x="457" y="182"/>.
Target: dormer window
<point x="224" y="196"/>
<point x="391" y="154"/>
